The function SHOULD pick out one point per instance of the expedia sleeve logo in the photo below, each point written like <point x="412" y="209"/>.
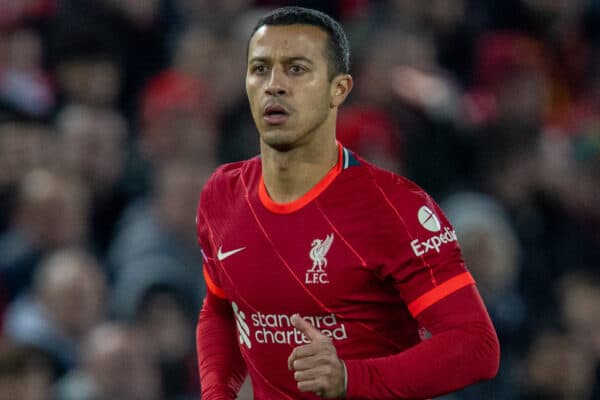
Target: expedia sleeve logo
<point x="430" y="221"/>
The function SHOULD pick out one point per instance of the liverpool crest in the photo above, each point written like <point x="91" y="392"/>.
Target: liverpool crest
<point x="317" y="254"/>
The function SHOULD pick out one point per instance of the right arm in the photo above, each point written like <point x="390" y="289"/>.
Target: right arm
<point x="222" y="368"/>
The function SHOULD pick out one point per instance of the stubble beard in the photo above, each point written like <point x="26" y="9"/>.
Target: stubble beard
<point x="282" y="142"/>
<point x="286" y="141"/>
<point x="278" y="141"/>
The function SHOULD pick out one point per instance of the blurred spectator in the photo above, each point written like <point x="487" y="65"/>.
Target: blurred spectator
<point x="25" y="87"/>
<point x="218" y="17"/>
<point x="560" y="27"/>
<point x="215" y="62"/>
<point x="452" y="26"/>
<point x="24" y="146"/>
<point x="13" y="12"/>
<point x="513" y="71"/>
<point x="509" y="161"/>
<point x="176" y="123"/>
<point x="195" y="51"/>
<point x="556" y="369"/>
<point x="25" y="373"/>
<point x="93" y="143"/>
<point x="427" y="91"/>
<point x="176" y="120"/>
<point x="66" y="301"/>
<point x="87" y="59"/>
<point x="4" y="301"/>
<point x="371" y="133"/>
<point x="399" y="75"/>
<point x="386" y="50"/>
<point x="491" y="251"/>
<point x="169" y="317"/>
<point x="564" y="365"/>
<point x="138" y="31"/>
<point x="141" y="13"/>
<point x="582" y="115"/>
<point x="162" y="228"/>
<point x="509" y="164"/>
<point x="582" y="213"/>
<point x="580" y="310"/>
<point x="588" y="170"/>
<point x="51" y="211"/>
<point x="238" y="136"/>
<point x="512" y="81"/>
<point x="118" y="363"/>
<point x="144" y="28"/>
<point x="156" y="265"/>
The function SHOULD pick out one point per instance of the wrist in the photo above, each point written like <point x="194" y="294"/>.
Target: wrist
<point x="356" y="375"/>
<point x="345" y="378"/>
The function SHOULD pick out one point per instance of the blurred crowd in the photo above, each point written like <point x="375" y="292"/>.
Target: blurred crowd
<point x="113" y="113"/>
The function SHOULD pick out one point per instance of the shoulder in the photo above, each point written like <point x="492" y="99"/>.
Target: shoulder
<point x="392" y="185"/>
<point x="226" y="173"/>
<point x="227" y="180"/>
<point x="390" y="198"/>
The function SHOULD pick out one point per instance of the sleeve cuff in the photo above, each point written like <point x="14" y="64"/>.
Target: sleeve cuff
<point x="345" y="377"/>
<point x="355" y="376"/>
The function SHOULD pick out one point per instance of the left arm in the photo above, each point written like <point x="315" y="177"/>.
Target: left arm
<point x="463" y="350"/>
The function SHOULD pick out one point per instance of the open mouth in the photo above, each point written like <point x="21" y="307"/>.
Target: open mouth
<point x="275" y="114"/>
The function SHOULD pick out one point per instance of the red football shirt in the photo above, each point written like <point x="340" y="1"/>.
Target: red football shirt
<point x="360" y="256"/>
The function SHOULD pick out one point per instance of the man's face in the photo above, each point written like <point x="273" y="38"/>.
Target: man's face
<point x="287" y="83"/>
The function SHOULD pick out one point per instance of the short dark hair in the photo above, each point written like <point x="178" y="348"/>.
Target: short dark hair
<point x="338" y="49"/>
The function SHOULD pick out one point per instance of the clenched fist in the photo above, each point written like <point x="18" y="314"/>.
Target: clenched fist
<point x="316" y="365"/>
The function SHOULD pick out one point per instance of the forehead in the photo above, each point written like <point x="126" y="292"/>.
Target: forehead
<point x="272" y="41"/>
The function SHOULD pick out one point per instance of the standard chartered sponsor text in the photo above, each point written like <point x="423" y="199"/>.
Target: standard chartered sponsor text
<point x="278" y="328"/>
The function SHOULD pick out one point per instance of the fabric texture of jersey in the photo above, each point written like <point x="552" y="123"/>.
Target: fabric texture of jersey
<point x="360" y="256"/>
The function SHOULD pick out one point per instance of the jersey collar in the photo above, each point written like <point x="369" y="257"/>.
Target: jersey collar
<point x="292" y="206"/>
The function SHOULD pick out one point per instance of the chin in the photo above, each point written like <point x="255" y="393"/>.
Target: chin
<point x="280" y="146"/>
<point x="279" y="141"/>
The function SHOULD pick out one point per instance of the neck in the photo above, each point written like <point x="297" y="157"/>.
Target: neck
<point x="288" y="175"/>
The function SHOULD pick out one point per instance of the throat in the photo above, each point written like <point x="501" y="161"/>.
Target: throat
<point x="288" y="177"/>
<point x="287" y="186"/>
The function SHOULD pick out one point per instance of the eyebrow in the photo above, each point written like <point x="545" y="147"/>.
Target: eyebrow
<point x="284" y="59"/>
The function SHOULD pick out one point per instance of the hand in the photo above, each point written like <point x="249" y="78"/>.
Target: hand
<point x="316" y="365"/>
<point x="420" y="89"/>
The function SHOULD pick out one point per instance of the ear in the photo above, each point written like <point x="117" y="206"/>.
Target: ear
<point x="340" y="89"/>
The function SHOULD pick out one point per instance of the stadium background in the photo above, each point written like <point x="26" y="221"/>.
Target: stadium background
<point x="113" y="113"/>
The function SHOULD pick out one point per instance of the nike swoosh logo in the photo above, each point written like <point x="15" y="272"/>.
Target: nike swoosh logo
<point x="223" y="255"/>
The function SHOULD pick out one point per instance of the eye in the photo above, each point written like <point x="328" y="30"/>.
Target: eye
<point x="297" y="69"/>
<point x="259" y="69"/>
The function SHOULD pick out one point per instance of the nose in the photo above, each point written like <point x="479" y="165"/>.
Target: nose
<point x="276" y="85"/>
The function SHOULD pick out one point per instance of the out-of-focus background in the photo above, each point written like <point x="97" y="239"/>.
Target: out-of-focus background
<point x="113" y="113"/>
